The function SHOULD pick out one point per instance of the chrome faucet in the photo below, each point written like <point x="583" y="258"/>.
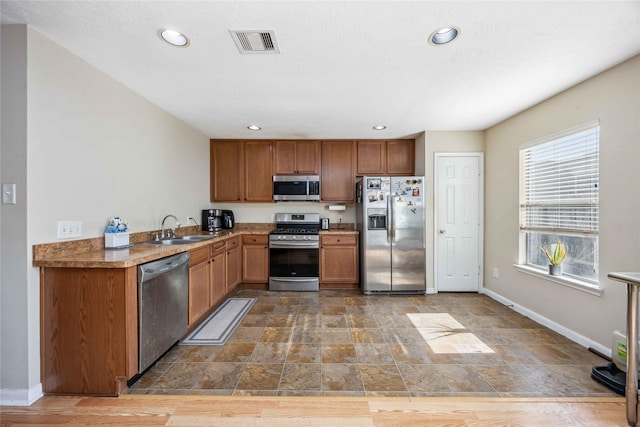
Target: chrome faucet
<point x="173" y="230"/>
<point x="192" y="219"/>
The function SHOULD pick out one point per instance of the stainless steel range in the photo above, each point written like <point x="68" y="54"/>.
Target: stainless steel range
<point x="294" y="253"/>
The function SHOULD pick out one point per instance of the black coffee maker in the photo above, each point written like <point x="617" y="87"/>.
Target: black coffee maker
<point x="212" y="220"/>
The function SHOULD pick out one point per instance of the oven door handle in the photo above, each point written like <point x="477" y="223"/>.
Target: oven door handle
<point x="295" y="245"/>
<point x="289" y="279"/>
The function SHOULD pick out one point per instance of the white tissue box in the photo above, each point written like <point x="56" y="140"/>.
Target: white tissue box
<point x="116" y="240"/>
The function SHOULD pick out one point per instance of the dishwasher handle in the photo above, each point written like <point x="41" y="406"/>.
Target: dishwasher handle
<point x="153" y="269"/>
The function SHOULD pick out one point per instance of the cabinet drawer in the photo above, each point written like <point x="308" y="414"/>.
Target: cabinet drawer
<point x="218" y="247"/>
<point x="255" y="240"/>
<point x="199" y="256"/>
<point x="347" y="240"/>
<point x="233" y="242"/>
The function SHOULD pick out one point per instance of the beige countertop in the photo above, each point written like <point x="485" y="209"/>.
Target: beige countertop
<point x="90" y="253"/>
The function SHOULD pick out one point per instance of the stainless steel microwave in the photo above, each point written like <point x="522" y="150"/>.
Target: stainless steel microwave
<point x="296" y="187"/>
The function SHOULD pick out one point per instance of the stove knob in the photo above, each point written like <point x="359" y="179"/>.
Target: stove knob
<point x="293" y="237"/>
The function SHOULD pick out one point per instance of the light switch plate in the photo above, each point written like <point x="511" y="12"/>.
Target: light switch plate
<point x="8" y="194"/>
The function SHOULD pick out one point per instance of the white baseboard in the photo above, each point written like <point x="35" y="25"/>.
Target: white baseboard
<point x="20" y="397"/>
<point x="431" y="291"/>
<point x="568" y="333"/>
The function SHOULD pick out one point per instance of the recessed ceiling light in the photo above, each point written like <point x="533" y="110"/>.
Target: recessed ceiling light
<point x="174" y="38"/>
<point x="443" y="35"/>
<point x="380" y="127"/>
<point x="254" y="127"/>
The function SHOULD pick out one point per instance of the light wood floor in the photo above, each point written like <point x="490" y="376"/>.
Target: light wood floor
<point x="158" y="410"/>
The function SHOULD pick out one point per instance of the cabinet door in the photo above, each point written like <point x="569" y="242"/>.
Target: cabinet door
<point x="255" y="259"/>
<point x="258" y="180"/>
<point x="198" y="291"/>
<point x="401" y="157"/>
<point x="372" y="157"/>
<point x="339" y="259"/>
<point x="218" y="277"/>
<point x="233" y="268"/>
<point x="234" y="263"/>
<point x="285" y="158"/>
<point x="338" y="171"/>
<point x="307" y="157"/>
<point x="226" y="170"/>
<point x="296" y="157"/>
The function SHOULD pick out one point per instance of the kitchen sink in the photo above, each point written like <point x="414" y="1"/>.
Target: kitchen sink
<point x="196" y="237"/>
<point x="180" y="240"/>
<point x="168" y="242"/>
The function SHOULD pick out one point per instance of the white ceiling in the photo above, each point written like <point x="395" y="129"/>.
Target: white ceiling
<point x="344" y="66"/>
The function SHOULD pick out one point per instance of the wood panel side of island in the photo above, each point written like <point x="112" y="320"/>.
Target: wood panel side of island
<point x="89" y="330"/>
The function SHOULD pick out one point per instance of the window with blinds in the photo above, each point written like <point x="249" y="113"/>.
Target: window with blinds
<point x="559" y="197"/>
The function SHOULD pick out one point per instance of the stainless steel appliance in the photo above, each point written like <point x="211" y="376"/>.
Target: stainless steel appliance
<point x="163" y="303"/>
<point x="391" y="219"/>
<point x="296" y="187"/>
<point x="228" y="220"/>
<point x="294" y="253"/>
<point x="212" y="220"/>
<point x="324" y="223"/>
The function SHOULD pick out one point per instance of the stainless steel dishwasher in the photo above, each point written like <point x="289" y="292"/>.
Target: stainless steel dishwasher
<point x="163" y="303"/>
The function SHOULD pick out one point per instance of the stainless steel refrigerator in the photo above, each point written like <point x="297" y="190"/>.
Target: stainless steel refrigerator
<point x="390" y="218"/>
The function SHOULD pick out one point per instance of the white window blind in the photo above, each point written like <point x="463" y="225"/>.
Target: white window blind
<point x="559" y="186"/>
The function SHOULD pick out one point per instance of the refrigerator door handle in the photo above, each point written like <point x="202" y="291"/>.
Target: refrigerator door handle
<point x="388" y="221"/>
<point x="392" y="221"/>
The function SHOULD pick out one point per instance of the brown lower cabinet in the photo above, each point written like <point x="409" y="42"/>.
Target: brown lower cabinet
<point x="255" y="258"/>
<point x="89" y="329"/>
<point x="209" y="282"/>
<point x="218" y="282"/>
<point x="339" y="259"/>
<point x="199" y="283"/>
<point x="234" y="263"/>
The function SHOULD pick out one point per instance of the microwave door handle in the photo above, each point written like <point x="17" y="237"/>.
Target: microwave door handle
<point x="307" y="189"/>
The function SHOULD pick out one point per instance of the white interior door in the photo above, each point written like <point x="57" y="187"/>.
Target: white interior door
<point x="458" y="223"/>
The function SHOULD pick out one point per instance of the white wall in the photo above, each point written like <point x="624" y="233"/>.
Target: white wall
<point x="614" y="98"/>
<point x="442" y="142"/>
<point x="15" y="295"/>
<point x="94" y="149"/>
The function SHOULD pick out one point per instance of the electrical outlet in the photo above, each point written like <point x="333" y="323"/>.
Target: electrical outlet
<point x="496" y="272"/>
<point x="69" y="229"/>
<point x="339" y="218"/>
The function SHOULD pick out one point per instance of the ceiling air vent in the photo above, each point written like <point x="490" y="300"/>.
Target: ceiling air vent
<point x="255" y="41"/>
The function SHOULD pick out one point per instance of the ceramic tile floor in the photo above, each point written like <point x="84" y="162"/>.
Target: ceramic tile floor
<point x="342" y="343"/>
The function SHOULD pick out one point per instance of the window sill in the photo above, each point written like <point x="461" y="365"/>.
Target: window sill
<point x="561" y="280"/>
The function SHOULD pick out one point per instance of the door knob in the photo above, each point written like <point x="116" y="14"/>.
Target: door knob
<point x="441" y="231"/>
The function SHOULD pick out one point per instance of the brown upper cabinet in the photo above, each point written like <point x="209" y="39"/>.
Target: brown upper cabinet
<point x="241" y="171"/>
<point x="296" y="158"/>
<point x="258" y="174"/>
<point x="337" y="178"/>
<point x="391" y="157"/>
<point x="226" y="170"/>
